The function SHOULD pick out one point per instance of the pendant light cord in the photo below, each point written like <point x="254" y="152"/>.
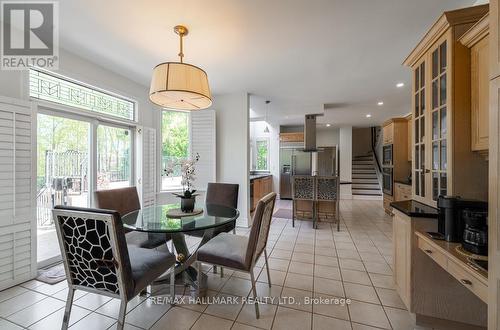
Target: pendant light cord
<point x="181" y="53"/>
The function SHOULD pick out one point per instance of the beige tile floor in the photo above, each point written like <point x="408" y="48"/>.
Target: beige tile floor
<point x="354" y="263"/>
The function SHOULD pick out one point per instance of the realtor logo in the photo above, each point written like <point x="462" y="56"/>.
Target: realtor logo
<point x="30" y="35"/>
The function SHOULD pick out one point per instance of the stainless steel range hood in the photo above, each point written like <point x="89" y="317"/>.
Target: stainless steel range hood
<point x="310" y="133"/>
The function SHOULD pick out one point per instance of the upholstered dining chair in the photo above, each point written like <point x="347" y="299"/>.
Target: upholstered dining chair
<point x="97" y="259"/>
<point x="225" y="194"/>
<point x="123" y="201"/>
<point x="240" y="252"/>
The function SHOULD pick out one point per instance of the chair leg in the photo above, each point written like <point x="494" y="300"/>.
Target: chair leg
<point x="67" y="310"/>
<point x="293" y="213"/>
<point x="172" y="284"/>
<point x="267" y="268"/>
<point x="254" y="290"/>
<point x="214" y="269"/>
<point x="121" y="315"/>
<point x="221" y="272"/>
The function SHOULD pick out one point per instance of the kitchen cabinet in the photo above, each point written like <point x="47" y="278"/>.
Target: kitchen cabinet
<point x="410" y="131"/>
<point x="261" y="187"/>
<point x="401" y="229"/>
<point x="402" y="192"/>
<point x="398" y="168"/>
<point x="292" y="137"/>
<point x="441" y="106"/>
<point x="388" y="133"/>
<point x="477" y="40"/>
<point x="494" y="39"/>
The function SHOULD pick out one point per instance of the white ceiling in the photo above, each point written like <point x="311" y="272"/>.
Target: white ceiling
<point x="301" y="54"/>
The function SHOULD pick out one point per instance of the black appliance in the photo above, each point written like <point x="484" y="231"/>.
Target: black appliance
<point x="451" y="224"/>
<point x="387" y="180"/>
<point x="387" y="155"/>
<point x="475" y="239"/>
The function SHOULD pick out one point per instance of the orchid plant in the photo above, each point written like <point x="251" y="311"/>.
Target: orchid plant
<point x="188" y="175"/>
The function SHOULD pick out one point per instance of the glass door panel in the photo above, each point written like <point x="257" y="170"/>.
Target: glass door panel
<point x="62" y="175"/>
<point x="419" y="128"/>
<point x="114" y="158"/>
<point x="438" y="110"/>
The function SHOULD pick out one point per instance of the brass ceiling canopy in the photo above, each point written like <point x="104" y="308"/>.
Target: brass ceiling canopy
<point x="178" y="85"/>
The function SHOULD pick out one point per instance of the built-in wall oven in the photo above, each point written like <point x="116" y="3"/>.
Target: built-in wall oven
<point x="387" y="155"/>
<point x="387" y="180"/>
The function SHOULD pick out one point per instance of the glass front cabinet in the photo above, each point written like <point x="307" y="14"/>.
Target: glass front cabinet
<point x="441" y="113"/>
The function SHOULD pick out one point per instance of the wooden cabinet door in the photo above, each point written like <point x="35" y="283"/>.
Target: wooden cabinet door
<point x="480" y="95"/>
<point x="410" y="139"/>
<point x="419" y="102"/>
<point x="388" y="132"/>
<point x="402" y="256"/>
<point x="494" y="205"/>
<point x="494" y="38"/>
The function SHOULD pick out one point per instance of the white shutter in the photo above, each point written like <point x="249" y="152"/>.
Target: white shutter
<point x="146" y="156"/>
<point x="202" y="141"/>
<point x="17" y="192"/>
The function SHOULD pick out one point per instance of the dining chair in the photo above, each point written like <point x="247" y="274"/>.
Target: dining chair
<point x="97" y="259"/>
<point x="123" y="201"/>
<point x="240" y="252"/>
<point x="303" y="189"/>
<point x="225" y="194"/>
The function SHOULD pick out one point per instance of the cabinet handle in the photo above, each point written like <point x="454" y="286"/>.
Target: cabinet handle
<point x="427" y="170"/>
<point x="428" y="251"/>
<point x="465" y="282"/>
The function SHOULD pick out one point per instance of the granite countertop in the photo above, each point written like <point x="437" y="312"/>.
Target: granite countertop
<point x="406" y="182"/>
<point x="259" y="176"/>
<point x="415" y="209"/>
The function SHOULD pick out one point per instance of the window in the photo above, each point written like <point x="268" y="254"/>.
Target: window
<point x="113" y="157"/>
<point x="175" y="146"/>
<point x="49" y="87"/>
<point x="262" y="155"/>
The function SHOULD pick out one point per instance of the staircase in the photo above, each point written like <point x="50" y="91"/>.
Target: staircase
<point x="365" y="184"/>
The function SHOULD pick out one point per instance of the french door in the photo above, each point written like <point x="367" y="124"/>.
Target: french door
<point x="76" y="156"/>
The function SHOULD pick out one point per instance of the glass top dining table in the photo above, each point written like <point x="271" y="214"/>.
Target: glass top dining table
<point x="154" y="219"/>
<point x="207" y="224"/>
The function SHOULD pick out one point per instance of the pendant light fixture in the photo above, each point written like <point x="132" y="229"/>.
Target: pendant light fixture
<point x="178" y="85"/>
<point x="266" y="130"/>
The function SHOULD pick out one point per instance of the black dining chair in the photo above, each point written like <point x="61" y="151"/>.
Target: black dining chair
<point x="97" y="259"/>
<point x="240" y="252"/>
<point x="123" y="201"/>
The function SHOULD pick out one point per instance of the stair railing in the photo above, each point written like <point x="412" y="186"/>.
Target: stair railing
<point x="374" y="142"/>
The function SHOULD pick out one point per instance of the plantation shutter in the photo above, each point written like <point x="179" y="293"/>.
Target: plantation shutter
<point x="17" y="192"/>
<point x="202" y="142"/>
<point x="147" y="165"/>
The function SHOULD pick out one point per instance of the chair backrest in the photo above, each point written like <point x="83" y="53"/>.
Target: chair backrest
<point x="94" y="250"/>
<point x="259" y="232"/>
<point x="122" y="200"/>
<point x="327" y="188"/>
<point x="225" y="194"/>
<point x="303" y="187"/>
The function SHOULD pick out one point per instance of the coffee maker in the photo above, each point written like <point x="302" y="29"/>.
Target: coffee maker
<point x="451" y="221"/>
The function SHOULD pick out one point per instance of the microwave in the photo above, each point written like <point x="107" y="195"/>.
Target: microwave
<point x="387" y="155"/>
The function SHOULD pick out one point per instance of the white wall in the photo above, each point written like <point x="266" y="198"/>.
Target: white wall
<point x="327" y="137"/>
<point x="345" y="155"/>
<point x="232" y="146"/>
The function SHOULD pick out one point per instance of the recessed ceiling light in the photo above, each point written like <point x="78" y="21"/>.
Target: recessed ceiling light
<point x="328" y="125"/>
<point x="399" y="85"/>
<point x="368" y="115"/>
<point x="380" y="103"/>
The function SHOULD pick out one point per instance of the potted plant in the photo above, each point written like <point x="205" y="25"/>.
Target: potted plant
<point x="188" y="175"/>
